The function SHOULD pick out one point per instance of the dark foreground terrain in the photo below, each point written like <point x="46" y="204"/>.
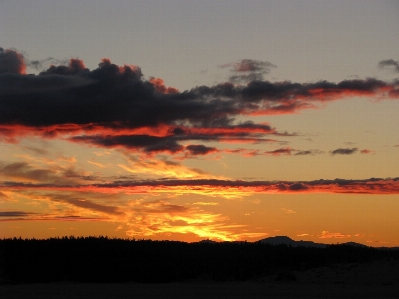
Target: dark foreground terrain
<point x="197" y="290"/>
<point x="109" y="268"/>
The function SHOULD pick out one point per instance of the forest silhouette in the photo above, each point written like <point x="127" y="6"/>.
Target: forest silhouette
<point x="102" y="259"/>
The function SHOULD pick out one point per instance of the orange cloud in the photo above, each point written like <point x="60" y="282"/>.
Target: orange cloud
<point x="159" y="85"/>
<point x="328" y="235"/>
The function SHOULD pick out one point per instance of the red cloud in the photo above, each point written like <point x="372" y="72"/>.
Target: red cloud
<point x="367" y="151"/>
<point x="159" y="85"/>
<point x="214" y="187"/>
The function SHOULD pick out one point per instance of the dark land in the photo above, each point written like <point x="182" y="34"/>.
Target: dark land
<point x="99" y="267"/>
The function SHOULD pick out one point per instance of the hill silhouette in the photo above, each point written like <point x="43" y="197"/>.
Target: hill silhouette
<point x="284" y="240"/>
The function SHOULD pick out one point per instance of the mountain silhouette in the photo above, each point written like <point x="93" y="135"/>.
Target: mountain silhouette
<point x="284" y="240"/>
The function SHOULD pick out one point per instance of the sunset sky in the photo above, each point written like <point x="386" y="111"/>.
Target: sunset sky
<point x="198" y="119"/>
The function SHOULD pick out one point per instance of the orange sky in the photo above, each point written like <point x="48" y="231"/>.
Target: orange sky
<point x="208" y="120"/>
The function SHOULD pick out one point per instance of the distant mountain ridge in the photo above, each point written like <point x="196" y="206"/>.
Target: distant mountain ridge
<point x="284" y="240"/>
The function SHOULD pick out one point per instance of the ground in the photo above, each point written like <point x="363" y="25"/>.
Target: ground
<point x="378" y="279"/>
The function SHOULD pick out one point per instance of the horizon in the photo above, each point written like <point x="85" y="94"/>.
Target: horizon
<point x="198" y="241"/>
<point x="192" y="120"/>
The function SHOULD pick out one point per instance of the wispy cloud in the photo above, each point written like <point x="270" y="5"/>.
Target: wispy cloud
<point x="247" y="70"/>
<point x="328" y="235"/>
<point x="367" y="151"/>
<point x="389" y="64"/>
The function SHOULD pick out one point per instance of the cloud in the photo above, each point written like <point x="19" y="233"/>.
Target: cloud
<point x="15" y="214"/>
<point x="157" y="217"/>
<point x="169" y="140"/>
<point x="201" y="203"/>
<point x="38" y="64"/>
<point x="298" y="186"/>
<point x="52" y="174"/>
<point x="389" y="64"/>
<point x="96" y="163"/>
<point x="367" y="151"/>
<point x="344" y="151"/>
<point x="149" y="144"/>
<point x="308" y="152"/>
<point x="114" y="106"/>
<point x="83" y="202"/>
<point x="159" y="85"/>
<point x="163" y="168"/>
<point x="200" y="149"/>
<point x="328" y="235"/>
<point x="287" y="151"/>
<point x="75" y="67"/>
<point x="192" y="183"/>
<point x="118" y="96"/>
<point x="23" y="171"/>
<point x="249" y="65"/>
<point x="247" y="70"/>
<point x="11" y="62"/>
<point x="37" y="151"/>
<point x="279" y="152"/>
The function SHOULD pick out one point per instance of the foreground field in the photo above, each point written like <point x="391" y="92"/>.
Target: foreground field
<point x="377" y="279"/>
<point x="196" y="290"/>
<point x="102" y="268"/>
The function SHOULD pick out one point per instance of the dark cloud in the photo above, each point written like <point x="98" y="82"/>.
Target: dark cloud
<point x="22" y="216"/>
<point x="200" y="149"/>
<point x="118" y="96"/>
<point x="22" y="170"/>
<point x="74" y="67"/>
<point x="246" y="78"/>
<point x="280" y="151"/>
<point x="85" y="203"/>
<point x="249" y="65"/>
<point x="26" y="172"/>
<point x="389" y="64"/>
<point x="308" y="152"/>
<point x="15" y="214"/>
<point x="344" y="151"/>
<point x="71" y="99"/>
<point x="298" y="186"/>
<point x="38" y="64"/>
<point x="247" y="70"/>
<point x="167" y="144"/>
<point x="11" y="62"/>
<point x="241" y="133"/>
<point x="139" y="142"/>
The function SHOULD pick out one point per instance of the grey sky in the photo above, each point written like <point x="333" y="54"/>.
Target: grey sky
<point x="184" y="41"/>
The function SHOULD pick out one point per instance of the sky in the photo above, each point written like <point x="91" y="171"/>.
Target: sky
<point x="191" y="120"/>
